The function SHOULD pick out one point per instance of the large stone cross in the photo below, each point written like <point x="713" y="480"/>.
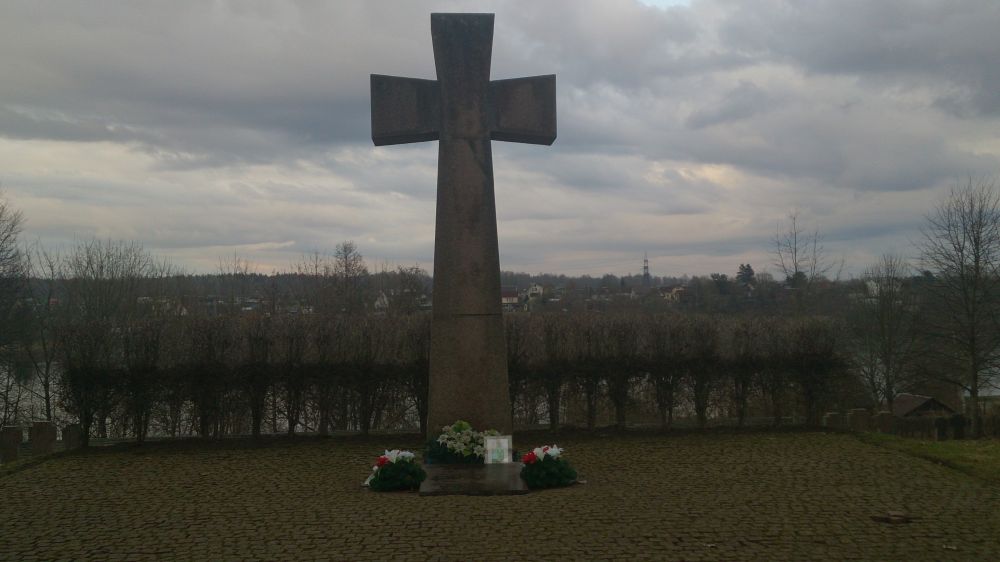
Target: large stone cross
<point x="464" y="110"/>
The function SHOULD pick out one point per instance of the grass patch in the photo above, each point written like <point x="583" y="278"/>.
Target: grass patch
<point x="978" y="457"/>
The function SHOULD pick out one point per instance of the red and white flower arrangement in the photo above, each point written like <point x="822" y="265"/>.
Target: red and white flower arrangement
<point x="539" y="453"/>
<point x="544" y="467"/>
<point x="395" y="470"/>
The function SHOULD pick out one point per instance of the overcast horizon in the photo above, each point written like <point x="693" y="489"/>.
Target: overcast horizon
<point x="687" y="130"/>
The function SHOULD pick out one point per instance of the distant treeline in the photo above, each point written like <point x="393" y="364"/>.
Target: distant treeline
<point x="120" y="341"/>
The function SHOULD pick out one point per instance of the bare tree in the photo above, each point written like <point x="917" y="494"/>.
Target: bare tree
<point x="814" y="361"/>
<point x="11" y="393"/>
<point x="961" y="246"/>
<point x="290" y="343"/>
<point x="410" y="286"/>
<point x="665" y="351"/>
<point x="40" y="342"/>
<point x="416" y="350"/>
<point x="799" y="255"/>
<point x="550" y="356"/>
<point x="518" y="366"/>
<point x="774" y="375"/>
<point x="13" y="266"/>
<point x="743" y="349"/>
<point x="255" y="346"/>
<point x="586" y="346"/>
<point x="350" y="273"/>
<point x="235" y="277"/>
<point x="103" y="285"/>
<point x="702" y="361"/>
<point x="883" y="323"/>
<point x="314" y="273"/>
<point x="622" y="362"/>
<point x="13" y="311"/>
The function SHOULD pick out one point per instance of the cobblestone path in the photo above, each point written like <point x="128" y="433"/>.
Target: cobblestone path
<point x="752" y="496"/>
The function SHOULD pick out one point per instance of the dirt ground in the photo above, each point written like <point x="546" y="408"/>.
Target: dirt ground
<point x="714" y="496"/>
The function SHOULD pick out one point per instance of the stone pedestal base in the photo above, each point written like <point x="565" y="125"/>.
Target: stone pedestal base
<point x="10" y="443"/>
<point x="72" y="436"/>
<point x="833" y="420"/>
<point x="43" y="438"/>
<point x="473" y="480"/>
<point x="859" y="419"/>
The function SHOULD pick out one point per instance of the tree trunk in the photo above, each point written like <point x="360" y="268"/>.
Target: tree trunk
<point x="85" y="424"/>
<point x="742" y="392"/>
<point x="700" y="392"/>
<point x="422" y="412"/>
<point x="618" y="388"/>
<point x="256" y="417"/>
<point x="47" y="395"/>
<point x="274" y="412"/>
<point x="977" y="420"/>
<point x="665" y="399"/>
<point x="324" y="418"/>
<point x="102" y="425"/>
<point x="175" y="418"/>
<point x="590" y="393"/>
<point x="554" y="399"/>
<point x="776" y="406"/>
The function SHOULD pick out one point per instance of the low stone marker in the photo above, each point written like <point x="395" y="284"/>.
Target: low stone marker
<point x="501" y="479"/>
<point x="42" y="437"/>
<point x="10" y="442"/>
<point x="833" y="420"/>
<point x="883" y="422"/>
<point x="72" y="436"/>
<point x="858" y="419"/>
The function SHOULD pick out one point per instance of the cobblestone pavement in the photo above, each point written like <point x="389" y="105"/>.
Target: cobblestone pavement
<point x="736" y="496"/>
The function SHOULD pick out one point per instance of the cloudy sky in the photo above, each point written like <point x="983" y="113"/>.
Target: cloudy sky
<point x="687" y="130"/>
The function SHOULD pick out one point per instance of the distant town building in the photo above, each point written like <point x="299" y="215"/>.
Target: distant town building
<point x="381" y="303"/>
<point x="509" y="298"/>
<point x="675" y="293"/>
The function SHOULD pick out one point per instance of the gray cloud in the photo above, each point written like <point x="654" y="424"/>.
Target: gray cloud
<point x="686" y="132"/>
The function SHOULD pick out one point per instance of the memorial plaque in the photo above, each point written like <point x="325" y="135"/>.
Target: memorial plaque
<point x="498" y="449"/>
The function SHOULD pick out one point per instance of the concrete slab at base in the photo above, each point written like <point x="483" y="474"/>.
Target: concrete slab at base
<point x="473" y="480"/>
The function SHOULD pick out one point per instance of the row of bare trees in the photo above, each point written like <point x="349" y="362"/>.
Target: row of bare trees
<point x="689" y="361"/>
<point x="225" y="375"/>
<point x="254" y="373"/>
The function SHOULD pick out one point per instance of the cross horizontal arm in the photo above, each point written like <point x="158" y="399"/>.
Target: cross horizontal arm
<point x="404" y="110"/>
<point x="524" y="109"/>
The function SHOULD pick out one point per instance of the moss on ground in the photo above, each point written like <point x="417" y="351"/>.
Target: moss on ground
<point x="977" y="457"/>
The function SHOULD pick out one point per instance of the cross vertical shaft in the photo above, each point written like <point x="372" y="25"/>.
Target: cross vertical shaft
<point x="464" y="110"/>
<point x="468" y="363"/>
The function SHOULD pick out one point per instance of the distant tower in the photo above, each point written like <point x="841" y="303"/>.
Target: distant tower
<point x="645" y="270"/>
